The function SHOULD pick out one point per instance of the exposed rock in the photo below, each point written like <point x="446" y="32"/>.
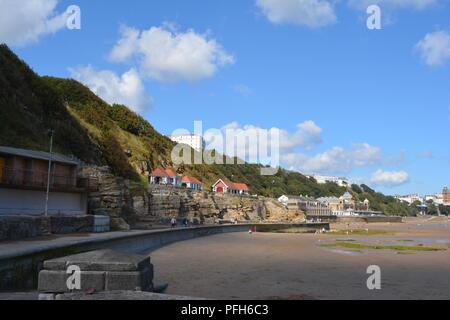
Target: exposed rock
<point x="119" y="224"/>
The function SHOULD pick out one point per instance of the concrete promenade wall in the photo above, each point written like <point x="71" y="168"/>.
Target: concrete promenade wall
<point x="32" y="202"/>
<point x="21" y="263"/>
<point x="21" y="227"/>
<point x="370" y="219"/>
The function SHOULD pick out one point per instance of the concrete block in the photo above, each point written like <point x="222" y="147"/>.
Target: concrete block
<point x="123" y="281"/>
<point x="139" y="280"/>
<point x="102" y="224"/>
<point x="101" y="260"/>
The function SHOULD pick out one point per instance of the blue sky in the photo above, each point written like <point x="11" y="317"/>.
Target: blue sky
<point x="372" y="105"/>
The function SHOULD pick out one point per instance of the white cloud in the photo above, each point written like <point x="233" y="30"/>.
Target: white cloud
<point x="392" y="4"/>
<point x="127" y="89"/>
<point x="167" y="55"/>
<point x="309" y="13"/>
<point x="389" y="179"/>
<point x="242" y="89"/>
<point x="293" y="147"/>
<point x="337" y="160"/>
<point x="307" y="135"/>
<point x="24" y="22"/>
<point x="435" y="48"/>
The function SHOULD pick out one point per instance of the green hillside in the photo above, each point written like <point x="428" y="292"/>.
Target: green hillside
<point x="98" y="133"/>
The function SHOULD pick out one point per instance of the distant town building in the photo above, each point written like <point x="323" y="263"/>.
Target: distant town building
<point x="346" y="205"/>
<point x="446" y="196"/>
<point x="342" y="182"/>
<point x="226" y="186"/>
<point x="437" y="199"/>
<point x="332" y="202"/>
<point x="165" y="177"/>
<point x="311" y="207"/>
<point x="23" y="183"/>
<point x="347" y="201"/>
<point x="196" y="142"/>
<point x="411" y="198"/>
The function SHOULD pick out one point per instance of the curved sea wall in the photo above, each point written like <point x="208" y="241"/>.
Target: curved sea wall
<point x="370" y="219"/>
<point x="20" y="266"/>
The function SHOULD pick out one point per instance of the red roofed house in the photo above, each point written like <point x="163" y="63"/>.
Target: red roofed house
<point x="191" y="183"/>
<point x="226" y="186"/>
<point x="165" y="177"/>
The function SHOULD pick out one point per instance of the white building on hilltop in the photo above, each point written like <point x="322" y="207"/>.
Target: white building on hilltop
<point x="342" y="182"/>
<point x="196" y="142"/>
<point x="411" y="198"/>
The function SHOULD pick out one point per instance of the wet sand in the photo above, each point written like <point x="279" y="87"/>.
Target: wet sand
<point x="295" y="266"/>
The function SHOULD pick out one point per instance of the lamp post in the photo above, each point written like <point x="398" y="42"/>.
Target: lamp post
<point x="50" y="134"/>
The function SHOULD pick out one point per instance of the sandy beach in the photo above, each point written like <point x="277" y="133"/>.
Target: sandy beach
<point x="299" y="266"/>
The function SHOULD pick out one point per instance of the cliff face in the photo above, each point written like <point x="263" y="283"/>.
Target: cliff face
<point x="206" y="207"/>
<point x="138" y="207"/>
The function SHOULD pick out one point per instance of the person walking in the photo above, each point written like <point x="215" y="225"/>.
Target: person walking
<point x="173" y="222"/>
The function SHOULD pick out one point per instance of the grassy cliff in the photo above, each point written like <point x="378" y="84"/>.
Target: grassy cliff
<point x="98" y="133"/>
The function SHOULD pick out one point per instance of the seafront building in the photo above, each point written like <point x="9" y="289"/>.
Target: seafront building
<point x="168" y="177"/>
<point x="311" y="207"/>
<point x="345" y="205"/>
<point x="165" y="177"/>
<point x="191" y="183"/>
<point x="23" y="183"/>
<point x="227" y="186"/>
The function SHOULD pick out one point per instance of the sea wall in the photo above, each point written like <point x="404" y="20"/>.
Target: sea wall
<point x="370" y="219"/>
<point x="22" y="227"/>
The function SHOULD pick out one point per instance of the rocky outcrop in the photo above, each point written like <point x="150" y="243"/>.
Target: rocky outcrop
<point x="113" y="198"/>
<point x="166" y="203"/>
<point x="276" y="212"/>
